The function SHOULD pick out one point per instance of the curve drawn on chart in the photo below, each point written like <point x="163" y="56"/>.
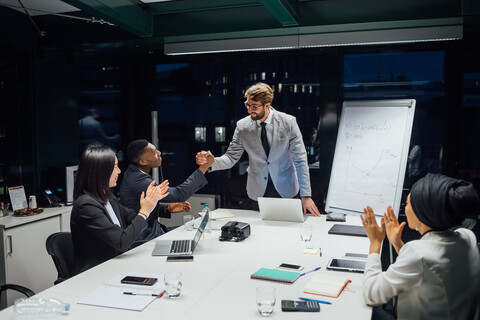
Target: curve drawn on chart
<point x="361" y="176"/>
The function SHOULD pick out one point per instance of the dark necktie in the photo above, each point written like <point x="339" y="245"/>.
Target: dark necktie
<point x="263" y="138"/>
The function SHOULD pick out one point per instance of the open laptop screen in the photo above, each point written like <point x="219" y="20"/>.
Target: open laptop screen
<point x="200" y="230"/>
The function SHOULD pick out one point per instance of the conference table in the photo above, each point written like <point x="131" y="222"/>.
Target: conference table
<point x="217" y="284"/>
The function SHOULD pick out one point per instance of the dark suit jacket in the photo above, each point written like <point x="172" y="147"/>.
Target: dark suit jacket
<point x="95" y="237"/>
<point x="135" y="182"/>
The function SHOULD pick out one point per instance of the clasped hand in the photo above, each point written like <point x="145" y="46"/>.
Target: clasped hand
<point x="204" y="157"/>
<point x="154" y="194"/>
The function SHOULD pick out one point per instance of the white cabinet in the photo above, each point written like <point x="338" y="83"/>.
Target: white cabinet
<point x="24" y="259"/>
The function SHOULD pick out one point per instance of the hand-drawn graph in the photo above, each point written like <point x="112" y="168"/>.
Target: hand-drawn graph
<point x="370" y="155"/>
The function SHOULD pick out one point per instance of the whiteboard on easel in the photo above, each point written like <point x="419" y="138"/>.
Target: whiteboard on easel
<point x="370" y="156"/>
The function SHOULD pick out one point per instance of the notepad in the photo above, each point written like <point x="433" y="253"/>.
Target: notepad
<point x="276" y="275"/>
<point x="326" y="285"/>
<point x="111" y="294"/>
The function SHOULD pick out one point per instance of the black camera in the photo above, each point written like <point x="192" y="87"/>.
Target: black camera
<point x="235" y="231"/>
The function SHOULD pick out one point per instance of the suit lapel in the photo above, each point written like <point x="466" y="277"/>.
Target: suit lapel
<point x="276" y="127"/>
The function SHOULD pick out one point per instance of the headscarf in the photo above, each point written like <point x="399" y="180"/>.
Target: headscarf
<point x="441" y="202"/>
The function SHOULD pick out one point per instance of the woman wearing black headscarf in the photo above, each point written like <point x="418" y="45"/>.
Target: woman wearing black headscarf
<point x="438" y="276"/>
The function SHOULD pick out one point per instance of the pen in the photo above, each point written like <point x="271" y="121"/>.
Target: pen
<point x="320" y="251"/>
<point x="310" y="271"/>
<point x="319" y="301"/>
<point x="159" y="295"/>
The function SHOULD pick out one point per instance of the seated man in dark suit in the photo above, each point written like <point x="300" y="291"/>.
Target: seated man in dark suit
<point x="143" y="156"/>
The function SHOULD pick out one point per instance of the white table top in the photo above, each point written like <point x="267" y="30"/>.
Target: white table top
<point x="217" y="284"/>
<point x="11" y="220"/>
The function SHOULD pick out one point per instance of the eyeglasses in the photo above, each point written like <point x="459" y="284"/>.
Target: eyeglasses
<point x="250" y="106"/>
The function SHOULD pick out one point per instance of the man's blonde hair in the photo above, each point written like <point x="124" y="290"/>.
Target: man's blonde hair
<point x="260" y="92"/>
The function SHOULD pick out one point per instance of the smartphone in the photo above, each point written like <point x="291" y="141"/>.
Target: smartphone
<point x="139" y="280"/>
<point x="288" y="266"/>
<point x="179" y="258"/>
<point x="347" y="265"/>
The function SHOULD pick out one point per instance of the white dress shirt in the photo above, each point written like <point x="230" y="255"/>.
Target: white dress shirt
<point x="112" y="214"/>
<point x="436" y="277"/>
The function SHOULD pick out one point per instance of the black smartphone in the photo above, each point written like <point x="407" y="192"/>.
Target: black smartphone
<point x="179" y="258"/>
<point x="288" y="266"/>
<point x="139" y="280"/>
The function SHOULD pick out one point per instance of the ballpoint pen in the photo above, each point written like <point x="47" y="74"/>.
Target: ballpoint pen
<point x="319" y="301"/>
<point x="310" y="271"/>
<point x="159" y="295"/>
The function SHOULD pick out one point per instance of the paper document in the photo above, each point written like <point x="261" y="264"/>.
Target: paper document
<point x="220" y="214"/>
<point x="18" y="198"/>
<point x="112" y="295"/>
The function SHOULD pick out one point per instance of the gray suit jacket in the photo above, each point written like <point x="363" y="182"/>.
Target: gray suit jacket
<point x="286" y="163"/>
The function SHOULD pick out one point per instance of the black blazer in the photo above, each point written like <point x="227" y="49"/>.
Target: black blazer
<point x="134" y="182"/>
<point x="95" y="237"/>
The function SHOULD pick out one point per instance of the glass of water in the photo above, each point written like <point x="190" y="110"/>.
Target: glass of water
<point x="265" y="300"/>
<point x="306" y="233"/>
<point x="173" y="284"/>
<point x="188" y="222"/>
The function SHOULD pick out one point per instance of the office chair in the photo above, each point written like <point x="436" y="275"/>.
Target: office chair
<point x="18" y="288"/>
<point x="60" y="247"/>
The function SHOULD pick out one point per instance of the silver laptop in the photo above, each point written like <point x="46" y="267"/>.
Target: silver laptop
<point x="281" y="209"/>
<point x="180" y="247"/>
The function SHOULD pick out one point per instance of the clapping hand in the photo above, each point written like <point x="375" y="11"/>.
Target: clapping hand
<point x="375" y="233"/>
<point x="394" y="229"/>
<point x="154" y="193"/>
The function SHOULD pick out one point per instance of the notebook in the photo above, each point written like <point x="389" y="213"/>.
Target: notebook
<point x="276" y="275"/>
<point x="180" y="247"/>
<point x="347" y="230"/>
<point x="326" y="285"/>
<point x="281" y="209"/>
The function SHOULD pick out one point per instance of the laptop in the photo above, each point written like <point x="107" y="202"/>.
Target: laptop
<point x="281" y="209"/>
<point x="180" y="247"/>
<point x="347" y="230"/>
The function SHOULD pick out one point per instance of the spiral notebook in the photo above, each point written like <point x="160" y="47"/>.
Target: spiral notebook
<point x="276" y="275"/>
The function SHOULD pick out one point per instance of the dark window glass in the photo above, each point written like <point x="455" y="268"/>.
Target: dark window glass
<point x="405" y="75"/>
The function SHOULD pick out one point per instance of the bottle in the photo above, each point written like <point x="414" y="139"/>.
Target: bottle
<point x="40" y="307"/>
<point x="208" y="227"/>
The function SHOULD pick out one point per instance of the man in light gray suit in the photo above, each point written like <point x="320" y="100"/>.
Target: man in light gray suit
<point x="278" y="164"/>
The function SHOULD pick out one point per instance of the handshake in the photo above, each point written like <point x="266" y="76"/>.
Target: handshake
<point x="205" y="158"/>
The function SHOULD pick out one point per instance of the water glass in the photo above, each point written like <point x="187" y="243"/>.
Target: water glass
<point x="173" y="284"/>
<point x="188" y="222"/>
<point x="306" y="232"/>
<point x="265" y="300"/>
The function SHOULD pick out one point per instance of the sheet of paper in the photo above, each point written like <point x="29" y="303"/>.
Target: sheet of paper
<point x="220" y="214"/>
<point x="18" y="198"/>
<point x="111" y="294"/>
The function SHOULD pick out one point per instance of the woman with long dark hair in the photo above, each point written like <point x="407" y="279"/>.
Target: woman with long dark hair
<point x="438" y="276"/>
<point x="101" y="227"/>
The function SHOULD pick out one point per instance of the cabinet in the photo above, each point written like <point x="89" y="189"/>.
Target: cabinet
<point x="24" y="259"/>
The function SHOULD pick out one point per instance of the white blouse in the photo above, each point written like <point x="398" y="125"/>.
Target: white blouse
<point x="436" y="277"/>
<point x="112" y="214"/>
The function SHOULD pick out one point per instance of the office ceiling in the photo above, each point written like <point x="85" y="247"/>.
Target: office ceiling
<point x="154" y="22"/>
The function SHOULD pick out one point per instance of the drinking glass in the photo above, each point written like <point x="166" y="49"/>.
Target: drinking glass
<point x="188" y="222"/>
<point x="265" y="300"/>
<point x="306" y="233"/>
<point x="173" y="284"/>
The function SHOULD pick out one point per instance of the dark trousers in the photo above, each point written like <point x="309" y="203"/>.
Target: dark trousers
<point x="270" y="192"/>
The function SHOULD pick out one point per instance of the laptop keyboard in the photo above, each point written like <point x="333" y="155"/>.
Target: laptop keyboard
<point x="179" y="246"/>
